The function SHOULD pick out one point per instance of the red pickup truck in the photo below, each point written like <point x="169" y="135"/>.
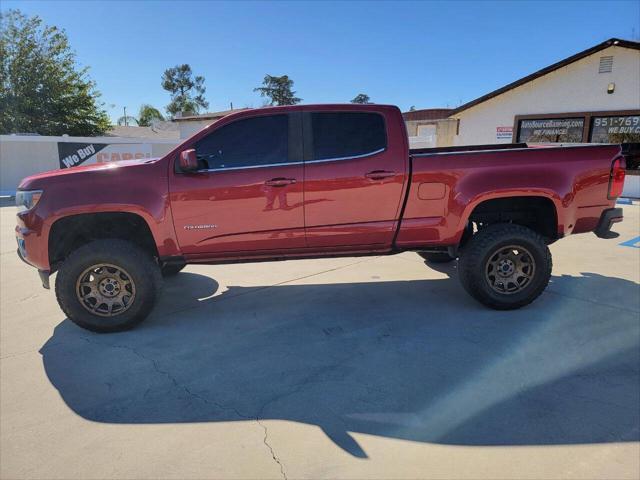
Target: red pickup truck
<point x="310" y="181"/>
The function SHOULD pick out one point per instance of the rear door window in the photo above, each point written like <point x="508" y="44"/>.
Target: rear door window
<point x="347" y="134"/>
<point x="251" y="142"/>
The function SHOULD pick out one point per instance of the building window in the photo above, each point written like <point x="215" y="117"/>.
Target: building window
<point x="551" y="130"/>
<point x="615" y="129"/>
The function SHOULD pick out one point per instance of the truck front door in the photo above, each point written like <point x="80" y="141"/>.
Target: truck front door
<point x="247" y="195"/>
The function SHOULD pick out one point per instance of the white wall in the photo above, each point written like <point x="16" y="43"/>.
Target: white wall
<point x="578" y="87"/>
<point x="631" y="186"/>
<point x="21" y="156"/>
<point x="189" y="127"/>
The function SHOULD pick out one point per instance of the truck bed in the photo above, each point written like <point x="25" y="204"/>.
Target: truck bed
<point x="448" y="184"/>
<point x="467" y="148"/>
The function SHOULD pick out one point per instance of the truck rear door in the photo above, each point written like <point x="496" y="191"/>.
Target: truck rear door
<point x="355" y="170"/>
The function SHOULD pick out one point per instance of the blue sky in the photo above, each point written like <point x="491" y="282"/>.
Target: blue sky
<point x="427" y="54"/>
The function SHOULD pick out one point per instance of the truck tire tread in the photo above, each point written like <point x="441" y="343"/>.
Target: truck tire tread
<point x="473" y="258"/>
<point x="134" y="259"/>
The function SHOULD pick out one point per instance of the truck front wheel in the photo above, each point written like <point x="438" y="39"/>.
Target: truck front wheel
<point x="505" y="266"/>
<point x="108" y="285"/>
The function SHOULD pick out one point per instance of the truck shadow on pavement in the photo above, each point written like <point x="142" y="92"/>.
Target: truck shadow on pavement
<point x="414" y="360"/>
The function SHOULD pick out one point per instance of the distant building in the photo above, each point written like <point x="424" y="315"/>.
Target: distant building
<point x="190" y="124"/>
<point x="428" y="128"/>
<point x="158" y="131"/>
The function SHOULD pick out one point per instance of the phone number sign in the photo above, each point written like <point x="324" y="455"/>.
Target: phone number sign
<point x="624" y="128"/>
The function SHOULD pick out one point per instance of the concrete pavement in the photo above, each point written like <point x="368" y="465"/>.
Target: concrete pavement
<point x="376" y="367"/>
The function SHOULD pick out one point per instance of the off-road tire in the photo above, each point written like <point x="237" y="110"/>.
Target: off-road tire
<point x="480" y="249"/>
<point x="139" y="264"/>
<point x="171" y="269"/>
<point x="436" y="257"/>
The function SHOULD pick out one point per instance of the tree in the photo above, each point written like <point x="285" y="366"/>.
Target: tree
<point x="187" y="91"/>
<point x="128" y="120"/>
<point x="361" y="98"/>
<point x="42" y="90"/>
<point x="412" y="108"/>
<point x="278" y="90"/>
<point x="147" y="115"/>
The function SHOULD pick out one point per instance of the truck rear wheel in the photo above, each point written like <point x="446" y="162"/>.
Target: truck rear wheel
<point x="505" y="266"/>
<point x="108" y="285"/>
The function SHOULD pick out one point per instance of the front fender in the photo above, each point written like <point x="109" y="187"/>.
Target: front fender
<point x="140" y="189"/>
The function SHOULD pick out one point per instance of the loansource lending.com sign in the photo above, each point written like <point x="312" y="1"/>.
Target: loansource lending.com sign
<point x="72" y="154"/>
<point x="551" y="130"/>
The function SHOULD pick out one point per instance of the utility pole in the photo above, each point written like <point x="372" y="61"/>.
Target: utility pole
<point x="125" y="116"/>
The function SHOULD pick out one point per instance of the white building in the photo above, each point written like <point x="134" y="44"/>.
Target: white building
<point x="592" y="96"/>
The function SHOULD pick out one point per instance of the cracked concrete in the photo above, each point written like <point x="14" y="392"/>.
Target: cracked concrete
<point x="176" y="384"/>
<point x="273" y="454"/>
<point x="337" y="368"/>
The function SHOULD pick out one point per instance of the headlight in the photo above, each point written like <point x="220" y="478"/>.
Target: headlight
<point x="27" y="199"/>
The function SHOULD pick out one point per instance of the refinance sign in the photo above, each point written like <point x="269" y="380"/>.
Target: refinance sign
<point x="72" y="154"/>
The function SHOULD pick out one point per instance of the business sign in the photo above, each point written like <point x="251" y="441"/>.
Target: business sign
<point x="504" y="133"/>
<point x="72" y="154"/>
<point x="619" y="129"/>
<point x="553" y="130"/>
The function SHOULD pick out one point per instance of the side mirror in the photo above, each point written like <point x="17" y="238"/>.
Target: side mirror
<point x="188" y="160"/>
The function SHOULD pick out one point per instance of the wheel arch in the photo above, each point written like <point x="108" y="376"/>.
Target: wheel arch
<point x="538" y="210"/>
<point x="69" y="232"/>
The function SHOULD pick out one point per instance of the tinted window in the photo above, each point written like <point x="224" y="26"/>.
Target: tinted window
<point x="346" y="134"/>
<point x="250" y="142"/>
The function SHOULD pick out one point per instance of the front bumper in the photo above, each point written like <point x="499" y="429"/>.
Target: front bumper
<point x="44" y="274"/>
<point x="607" y="219"/>
<point x="32" y="235"/>
<point x="30" y="249"/>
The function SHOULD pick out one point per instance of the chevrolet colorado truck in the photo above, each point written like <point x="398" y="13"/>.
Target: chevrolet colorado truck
<point x="310" y="181"/>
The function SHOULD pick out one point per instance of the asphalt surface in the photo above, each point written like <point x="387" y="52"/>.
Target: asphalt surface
<point x="376" y="367"/>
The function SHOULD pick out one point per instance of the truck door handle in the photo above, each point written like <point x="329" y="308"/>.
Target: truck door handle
<point x="379" y="174"/>
<point x="280" y="182"/>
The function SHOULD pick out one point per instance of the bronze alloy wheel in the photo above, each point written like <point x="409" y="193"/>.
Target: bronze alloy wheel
<point x="510" y="269"/>
<point x="106" y="290"/>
